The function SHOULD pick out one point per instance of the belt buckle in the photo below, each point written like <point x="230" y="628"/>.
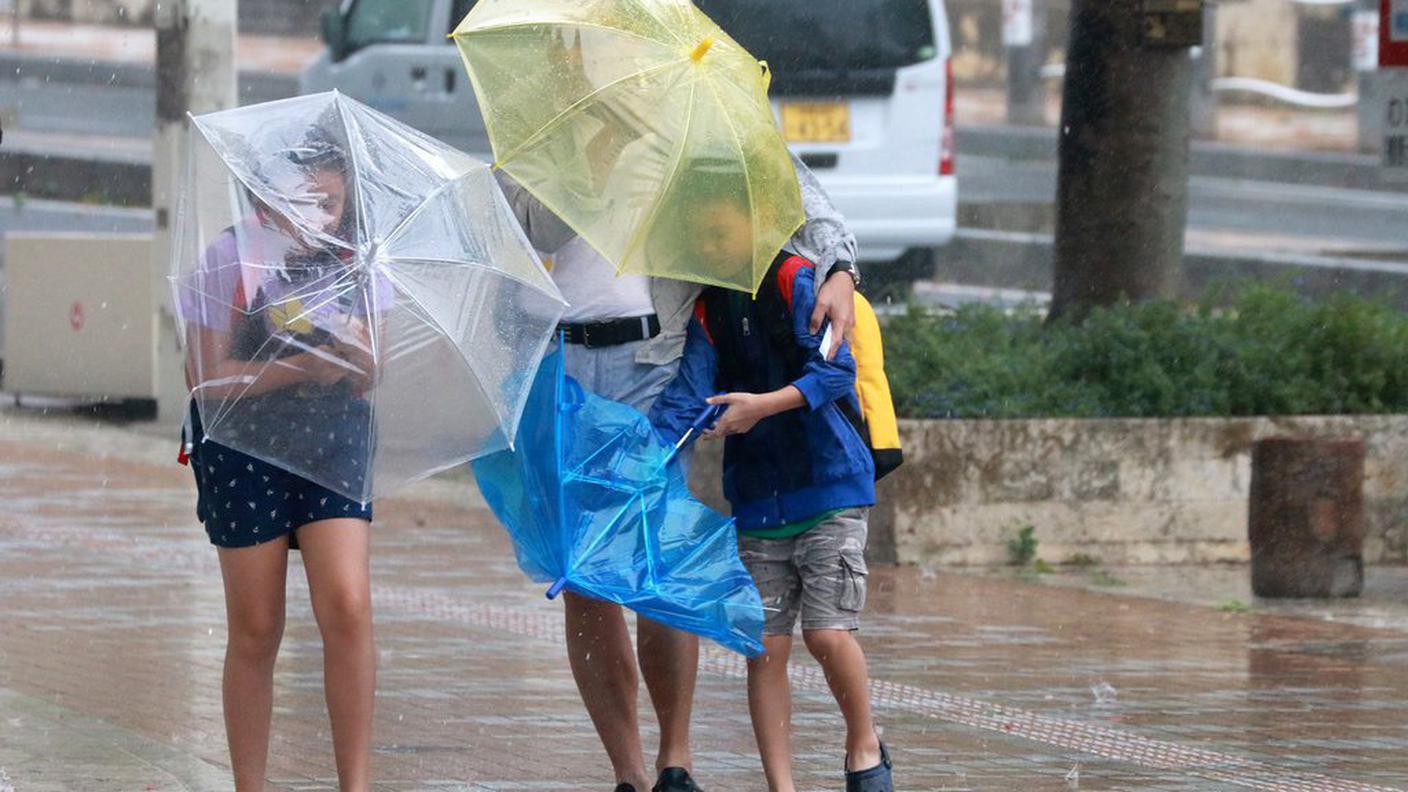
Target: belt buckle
<point x="586" y="336"/>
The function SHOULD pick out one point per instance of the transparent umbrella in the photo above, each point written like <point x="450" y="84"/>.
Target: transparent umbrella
<point x="360" y="306"/>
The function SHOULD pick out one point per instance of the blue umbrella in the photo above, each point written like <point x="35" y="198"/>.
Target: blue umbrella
<point x="596" y="503"/>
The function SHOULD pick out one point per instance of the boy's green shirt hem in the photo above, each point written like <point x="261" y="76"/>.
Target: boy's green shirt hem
<point x="789" y="530"/>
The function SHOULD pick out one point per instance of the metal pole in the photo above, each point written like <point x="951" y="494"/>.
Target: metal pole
<point x="1203" y="101"/>
<point x="1024" y="39"/>
<point x="1365" y="24"/>
<point x="16" y="11"/>
<point x="195" y="73"/>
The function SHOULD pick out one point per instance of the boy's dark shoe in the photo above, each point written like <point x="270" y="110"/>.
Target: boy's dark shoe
<point x="876" y="779"/>
<point x="675" y="779"/>
<point x="625" y="788"/>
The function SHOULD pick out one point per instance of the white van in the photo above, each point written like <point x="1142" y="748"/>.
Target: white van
<point x="862" y="89"/>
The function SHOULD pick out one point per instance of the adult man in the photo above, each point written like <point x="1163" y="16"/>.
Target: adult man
<point x="626" y="334"/>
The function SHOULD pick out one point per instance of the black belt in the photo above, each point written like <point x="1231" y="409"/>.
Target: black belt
<point x="612" y="332"/>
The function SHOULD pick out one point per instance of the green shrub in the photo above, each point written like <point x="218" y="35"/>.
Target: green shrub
<point x="1270" y="352"/>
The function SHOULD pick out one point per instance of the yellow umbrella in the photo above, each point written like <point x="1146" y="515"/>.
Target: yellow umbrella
<point x="643" y="126"/>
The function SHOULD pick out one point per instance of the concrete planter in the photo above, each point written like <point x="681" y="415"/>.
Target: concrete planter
<point x="1125" y="491"/>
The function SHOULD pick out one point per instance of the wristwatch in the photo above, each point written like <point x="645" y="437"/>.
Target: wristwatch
<point x="847" y="267"/>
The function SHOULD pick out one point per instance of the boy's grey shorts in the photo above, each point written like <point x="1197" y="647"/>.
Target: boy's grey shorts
<point x="820" y="574"/>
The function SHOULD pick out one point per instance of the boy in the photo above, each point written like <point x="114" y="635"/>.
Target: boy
<point x="800" y="479"/>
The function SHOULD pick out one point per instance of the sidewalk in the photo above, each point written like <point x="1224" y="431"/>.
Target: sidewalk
<point x="111" y="640"/>
<point x="277" y="54"/>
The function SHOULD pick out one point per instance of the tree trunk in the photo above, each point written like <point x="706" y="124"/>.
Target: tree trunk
<point x="1122" y="180"/>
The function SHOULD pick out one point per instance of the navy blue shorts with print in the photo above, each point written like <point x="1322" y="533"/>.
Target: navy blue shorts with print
<point x="244" y="501"/>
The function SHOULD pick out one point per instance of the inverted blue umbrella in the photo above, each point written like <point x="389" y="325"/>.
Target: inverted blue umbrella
<point x="597" y="504"/>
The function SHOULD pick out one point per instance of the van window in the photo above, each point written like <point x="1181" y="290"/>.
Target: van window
<point x="831" y="35"/>
<point x="387" y="22"/>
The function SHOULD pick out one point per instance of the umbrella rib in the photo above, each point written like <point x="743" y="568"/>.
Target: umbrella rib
<point x="352" y="159"/>
<point x="601" y="537"/>
<point x="561" y="116"/>
<point x="664" y="24"/>
<point x="598" y="452"/>
<point x="694" y="552"/>
<point x="751" y="201"/>
<point x="495" y="28"/>
<point x="489" y="268"/>
<point x="747" y="178"/>
<point x="468" y="364"/>
<point x="444" y="332"/>
<point x="639" y="235"/>
<point x="442" y="189"/>
<point x="651" y="562"/>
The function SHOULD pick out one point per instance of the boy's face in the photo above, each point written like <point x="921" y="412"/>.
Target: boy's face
<point x="724" y="237"/>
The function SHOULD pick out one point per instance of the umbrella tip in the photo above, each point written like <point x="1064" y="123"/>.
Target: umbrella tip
<point x="702" y="49"/>
<point x="557" y="587"/>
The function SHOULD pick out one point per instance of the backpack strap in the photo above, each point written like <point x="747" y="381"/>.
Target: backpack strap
<point x="787" y="277"/>
<point x="701" y="313"/>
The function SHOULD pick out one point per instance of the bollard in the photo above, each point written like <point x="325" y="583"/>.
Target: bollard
<point x="1306" y="517"/>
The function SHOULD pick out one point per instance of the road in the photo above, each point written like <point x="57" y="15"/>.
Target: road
<point x="1300" y="218"/>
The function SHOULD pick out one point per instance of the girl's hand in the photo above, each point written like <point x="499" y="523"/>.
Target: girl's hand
<point x="321" y="366"/>
<point x="354" y="345"/>
<point x="742" y="413"/>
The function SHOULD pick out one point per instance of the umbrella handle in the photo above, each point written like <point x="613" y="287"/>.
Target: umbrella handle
<point x="706" y="417"/>
<point x="557" y="587"/>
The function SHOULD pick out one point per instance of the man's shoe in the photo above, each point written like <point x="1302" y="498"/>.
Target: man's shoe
<point x="675" y="779"/>
<point x="876" y="779"/>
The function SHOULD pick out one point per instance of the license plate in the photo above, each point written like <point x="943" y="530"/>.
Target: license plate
<point x="816" y="122"/>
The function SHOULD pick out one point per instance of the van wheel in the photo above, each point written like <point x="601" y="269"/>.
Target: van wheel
<point x="893" y="281"/>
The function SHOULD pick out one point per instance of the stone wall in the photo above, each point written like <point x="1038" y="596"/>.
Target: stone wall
<point x="1121" y="491"/>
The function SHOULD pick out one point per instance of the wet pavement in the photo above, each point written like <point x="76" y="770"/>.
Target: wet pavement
<point x="111" y="638"/>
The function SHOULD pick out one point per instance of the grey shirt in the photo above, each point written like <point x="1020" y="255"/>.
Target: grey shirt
<point x="823" y="239"/>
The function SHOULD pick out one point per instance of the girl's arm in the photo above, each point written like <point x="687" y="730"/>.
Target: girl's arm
<point x="229" y="377"/>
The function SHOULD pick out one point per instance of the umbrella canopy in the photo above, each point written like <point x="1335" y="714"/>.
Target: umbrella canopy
<point x="596" y="504"/>
<point x="359" y="304"/>
<point x="643" y="126"/>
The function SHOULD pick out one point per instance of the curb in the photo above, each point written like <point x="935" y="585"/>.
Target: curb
<point x="1016" y="260"/>
<point x="1206" y="158"/>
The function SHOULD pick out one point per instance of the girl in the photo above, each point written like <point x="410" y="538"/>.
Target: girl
<point x="279" y="359"/>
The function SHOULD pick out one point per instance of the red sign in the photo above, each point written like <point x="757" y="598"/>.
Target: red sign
<point x="1393" y="33"/>
<point x="76" y="319"/>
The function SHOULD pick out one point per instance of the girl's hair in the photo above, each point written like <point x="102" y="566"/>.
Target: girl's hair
<point x="318" y="152"/>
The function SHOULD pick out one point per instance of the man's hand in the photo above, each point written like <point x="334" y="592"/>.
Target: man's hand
<point x="836" y="302"/>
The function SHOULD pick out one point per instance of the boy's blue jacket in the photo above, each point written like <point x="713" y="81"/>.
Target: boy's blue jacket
<point x="795" y="464"/>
